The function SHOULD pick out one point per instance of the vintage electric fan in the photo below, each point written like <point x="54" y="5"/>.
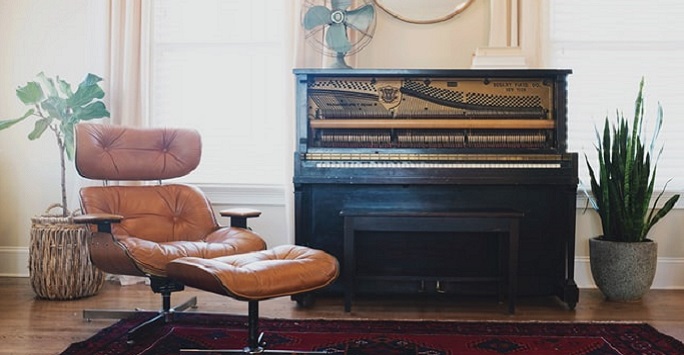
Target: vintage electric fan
<point x="335" y="30"/>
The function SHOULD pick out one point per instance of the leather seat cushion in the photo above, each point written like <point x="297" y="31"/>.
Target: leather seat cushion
<point x="152" y="257"/>
<point x="280" y="271"/>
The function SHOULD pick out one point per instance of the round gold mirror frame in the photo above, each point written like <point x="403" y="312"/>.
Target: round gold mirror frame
<point x="400" y="9"/>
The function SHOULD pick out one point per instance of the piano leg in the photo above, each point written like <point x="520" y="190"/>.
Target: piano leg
<point x="569" y="293"/>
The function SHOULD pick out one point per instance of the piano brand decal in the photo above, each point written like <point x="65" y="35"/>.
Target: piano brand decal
<point x="389" y="96"/>
<point x="520" y="86"/>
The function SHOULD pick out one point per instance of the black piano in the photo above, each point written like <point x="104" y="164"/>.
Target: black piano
<point x="438" y="140"/>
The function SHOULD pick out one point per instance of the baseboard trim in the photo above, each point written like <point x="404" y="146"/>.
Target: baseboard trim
<point x="14" y="262"/>
<point x="669" y="272"/>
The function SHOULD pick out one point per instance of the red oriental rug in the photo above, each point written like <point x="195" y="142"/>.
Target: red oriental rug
<point x="214" y="331"/>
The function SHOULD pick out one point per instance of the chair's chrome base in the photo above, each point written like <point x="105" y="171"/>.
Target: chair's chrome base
<point x="159" y="285"/>
<point x="255" y="340"/>
<point x="90" y="314"/>
<point x="251" y="352"/>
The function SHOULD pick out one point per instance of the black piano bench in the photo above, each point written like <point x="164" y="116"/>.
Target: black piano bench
<point x="506" y="222"/>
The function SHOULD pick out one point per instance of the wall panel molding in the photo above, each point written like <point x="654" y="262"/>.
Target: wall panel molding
<point x="516" y="36"/>
<point x="254" y="195"/>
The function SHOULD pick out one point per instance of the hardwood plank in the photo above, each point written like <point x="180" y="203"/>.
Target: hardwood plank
<point x="34" y="326"/>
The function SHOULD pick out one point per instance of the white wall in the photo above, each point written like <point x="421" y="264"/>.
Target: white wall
<point x="444" y="45"/>
<point x="69" y="38"/>
<point x="65" y="38"/>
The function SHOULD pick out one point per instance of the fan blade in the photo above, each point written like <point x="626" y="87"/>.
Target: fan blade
<point x="341" y="4"/>
<point x="336" y="38"/>
<point x="361" y="18"/>
<point x="316" y="16"/>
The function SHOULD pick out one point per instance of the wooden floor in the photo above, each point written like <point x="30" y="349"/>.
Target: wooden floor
<point x="34" y="326"/>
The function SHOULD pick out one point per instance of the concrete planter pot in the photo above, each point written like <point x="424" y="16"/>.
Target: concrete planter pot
<point x="623" y="271"/>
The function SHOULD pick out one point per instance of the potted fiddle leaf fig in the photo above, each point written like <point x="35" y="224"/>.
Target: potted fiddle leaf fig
<point x="57" y="108"/>
<point x="59" y="258"/>
<point x="623" y="259"/>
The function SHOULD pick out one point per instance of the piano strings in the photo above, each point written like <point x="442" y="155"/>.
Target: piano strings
<point x="442" y="114"/>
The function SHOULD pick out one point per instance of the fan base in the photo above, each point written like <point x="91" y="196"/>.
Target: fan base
<point x="339" y="62"/>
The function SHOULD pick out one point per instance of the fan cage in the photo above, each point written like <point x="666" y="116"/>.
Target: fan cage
<point x="316" y="36"/>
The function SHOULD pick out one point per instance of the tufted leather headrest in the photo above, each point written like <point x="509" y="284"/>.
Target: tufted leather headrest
<point x="108" y="152"/>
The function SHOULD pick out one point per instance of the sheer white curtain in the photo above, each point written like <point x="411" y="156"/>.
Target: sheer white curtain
<point x="128" y="80"/>
<point x="129" y="28"/>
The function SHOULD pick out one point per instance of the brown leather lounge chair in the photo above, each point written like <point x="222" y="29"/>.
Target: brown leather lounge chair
<point x="141" y="228"/>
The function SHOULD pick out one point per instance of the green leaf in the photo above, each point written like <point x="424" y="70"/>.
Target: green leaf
<point x="9" y="123"/>
<point x="65" y="87"/>
<point x="31" y="93"/>
<point x="49" y="84"/>
<point x="92" y="111"/>
<point x="40" y="127"/>
<point x="88" y="90"/>
<point x="91" y="79"/>
<point x="56" y="107"/>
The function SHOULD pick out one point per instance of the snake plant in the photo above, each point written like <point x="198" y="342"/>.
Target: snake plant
<point x="623" y="188"/>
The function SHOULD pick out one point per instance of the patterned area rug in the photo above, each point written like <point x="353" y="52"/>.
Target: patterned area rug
<point x="213" y="331"/>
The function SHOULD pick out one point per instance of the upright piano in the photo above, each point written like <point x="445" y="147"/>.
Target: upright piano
<point x="438" y="140"/>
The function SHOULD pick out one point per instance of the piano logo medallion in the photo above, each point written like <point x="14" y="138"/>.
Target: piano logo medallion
<point x="390" y="96"/>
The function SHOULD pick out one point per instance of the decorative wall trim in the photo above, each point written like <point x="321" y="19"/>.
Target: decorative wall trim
<point x="518" y="27"/>
<point x="499" y="58"/>
<point x="504" y="50"/>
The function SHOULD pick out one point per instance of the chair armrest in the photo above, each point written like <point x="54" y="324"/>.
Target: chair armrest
<point x="102" y="220"/>
<point x="238" y="216"/>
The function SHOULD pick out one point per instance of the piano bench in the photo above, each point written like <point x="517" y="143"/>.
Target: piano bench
<point x="383" y="220"/>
